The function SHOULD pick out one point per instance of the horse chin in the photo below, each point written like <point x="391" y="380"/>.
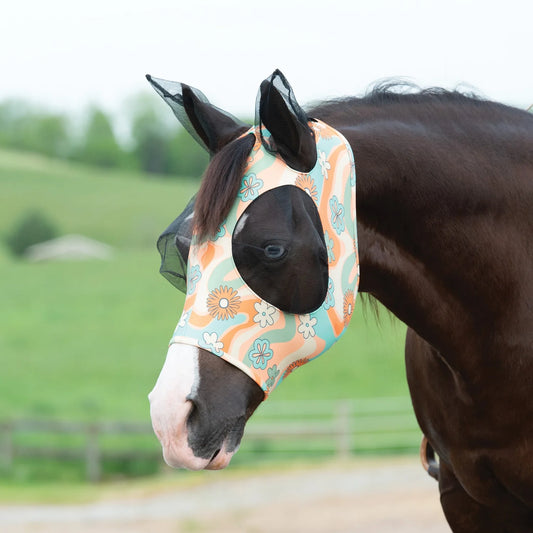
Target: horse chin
<point x="185" y="458"/>
<point x="178" y="453"/>
<point x="178" y="456"/>
<point x="220" y="460"/>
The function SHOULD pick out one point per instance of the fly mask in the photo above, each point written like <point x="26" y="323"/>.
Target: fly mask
<point x="228" y="312"/>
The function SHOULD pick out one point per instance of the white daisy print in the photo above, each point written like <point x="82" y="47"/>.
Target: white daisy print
<point x="306" y="327"/>
<point x="210" y="341"/>
<point x="324" y="163"/>
<point x="184" y="319"/>
<point x="266" y="314"/>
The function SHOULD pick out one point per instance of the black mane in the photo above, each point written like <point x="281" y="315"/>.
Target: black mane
<point x="399" y="91"/>
<point x="408" y="100"/>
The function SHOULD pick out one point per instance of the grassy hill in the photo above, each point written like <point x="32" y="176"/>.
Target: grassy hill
<point x="86" y="340"/>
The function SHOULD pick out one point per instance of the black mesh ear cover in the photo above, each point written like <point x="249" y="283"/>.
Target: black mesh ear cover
<point x="277" y="83"/>
<point x="279" y="112"/>
<point x="210" y="126"/>
<point x="172" y="94"/>
<point x="173" y="245"/>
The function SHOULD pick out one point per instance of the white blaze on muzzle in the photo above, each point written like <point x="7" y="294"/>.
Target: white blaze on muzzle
<point x="224" y="316"/>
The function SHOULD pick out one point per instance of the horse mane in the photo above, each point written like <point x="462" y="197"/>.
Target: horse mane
<point x="220" y="185"/>
<point x="394" y="91"/>
<point x="409" y="100"/>
<point x="399" y="91"/>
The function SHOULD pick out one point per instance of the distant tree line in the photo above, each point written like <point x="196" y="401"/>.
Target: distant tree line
<point x="153" y="143"/>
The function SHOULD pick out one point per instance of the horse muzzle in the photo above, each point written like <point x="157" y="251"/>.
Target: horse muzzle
<point x="199" y="425"/>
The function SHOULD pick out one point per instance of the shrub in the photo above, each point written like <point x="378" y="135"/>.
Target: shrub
<point x="32" y="228"/>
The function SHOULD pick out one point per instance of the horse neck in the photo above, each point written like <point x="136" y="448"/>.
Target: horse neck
<point x="442" y="235"/>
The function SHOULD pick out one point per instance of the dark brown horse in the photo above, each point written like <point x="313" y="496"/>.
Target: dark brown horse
<point x="445" y="225"/>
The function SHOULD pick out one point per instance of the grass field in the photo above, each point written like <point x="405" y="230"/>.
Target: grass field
<point x="86" y="340"/>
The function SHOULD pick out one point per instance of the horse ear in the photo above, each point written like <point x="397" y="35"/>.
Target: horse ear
<point x="287" y="123"/>
<point x="210" y="126"/>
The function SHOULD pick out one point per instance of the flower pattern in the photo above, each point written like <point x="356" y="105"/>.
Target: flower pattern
<point x="337" y="214"/>
<point x="260" y="354"/>
<point x="210" y="342"/>
<point x="184" y="319"/>
<point x="253" y="153"/>
<point x="307" y="184"/>
<point x="352" y="174"/>
<point x="221" y="232"/>
<point x="324" y="133"/>
<point x="306" y="327"/>
<point x="330" y="296"/>
<point x="223" y="303"/>
<point x="272" y="372"/>
<point x="293" y="366"/>
<point x="325" y="165"/>
<point x="251" y="185"/>
<point x="348" y="306"/>
<point x="329" y="247"/>
<point x="193" y="278"/>
<point x="266" y="314"/>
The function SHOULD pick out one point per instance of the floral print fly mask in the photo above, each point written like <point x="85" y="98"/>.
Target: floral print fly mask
<point x="225" y="316"/>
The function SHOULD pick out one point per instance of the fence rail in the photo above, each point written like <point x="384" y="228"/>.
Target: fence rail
<point x="277" y="430"/>
<point x="24" y="438"/>
<point x="340" y="427"/>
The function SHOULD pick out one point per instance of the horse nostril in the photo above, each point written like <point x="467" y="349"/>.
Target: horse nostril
<point x="192" y="404"/>
<point x="215" y="454"/>
<point x="194" y="415"/>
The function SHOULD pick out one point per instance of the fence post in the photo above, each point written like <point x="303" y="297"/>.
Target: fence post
<point x="344" y="436"/>
<point x="92" y="455"/>
<point x="7" y="451"/>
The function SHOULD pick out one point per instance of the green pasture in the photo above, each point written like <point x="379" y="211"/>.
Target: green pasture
<point x="85" y="340"/>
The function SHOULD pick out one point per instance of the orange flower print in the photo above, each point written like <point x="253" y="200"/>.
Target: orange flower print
<point x="223" y="303"/>
<point x="307" y="183"/>
<point x="293" y="366"/>
<point x="348" y="306"/>
<point x="254" y="151"/>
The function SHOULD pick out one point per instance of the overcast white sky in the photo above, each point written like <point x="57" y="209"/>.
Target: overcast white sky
<point x="66" y="54"/>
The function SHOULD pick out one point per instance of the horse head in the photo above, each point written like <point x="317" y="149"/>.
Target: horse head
<point x="266" y="253"/>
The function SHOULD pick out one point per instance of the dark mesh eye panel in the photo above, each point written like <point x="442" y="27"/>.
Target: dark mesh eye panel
<point x="173" y="245"/>
<point x="279" y="250"/>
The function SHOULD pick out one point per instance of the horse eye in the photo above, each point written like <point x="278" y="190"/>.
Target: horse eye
<point x="274" y="251"/>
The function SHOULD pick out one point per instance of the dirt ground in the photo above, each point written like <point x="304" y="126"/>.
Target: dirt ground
<point x="379" y="496"/>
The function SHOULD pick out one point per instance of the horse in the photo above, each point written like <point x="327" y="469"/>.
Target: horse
<point x="444" y="225"/>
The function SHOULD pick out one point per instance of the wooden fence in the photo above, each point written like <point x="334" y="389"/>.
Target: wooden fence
<point x="278" y="431"/>
<point x="332" y="427"/>
<point x="67" y="441"/>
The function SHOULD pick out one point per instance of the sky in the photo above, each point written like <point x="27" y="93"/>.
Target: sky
<point x="66" y="55"/>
